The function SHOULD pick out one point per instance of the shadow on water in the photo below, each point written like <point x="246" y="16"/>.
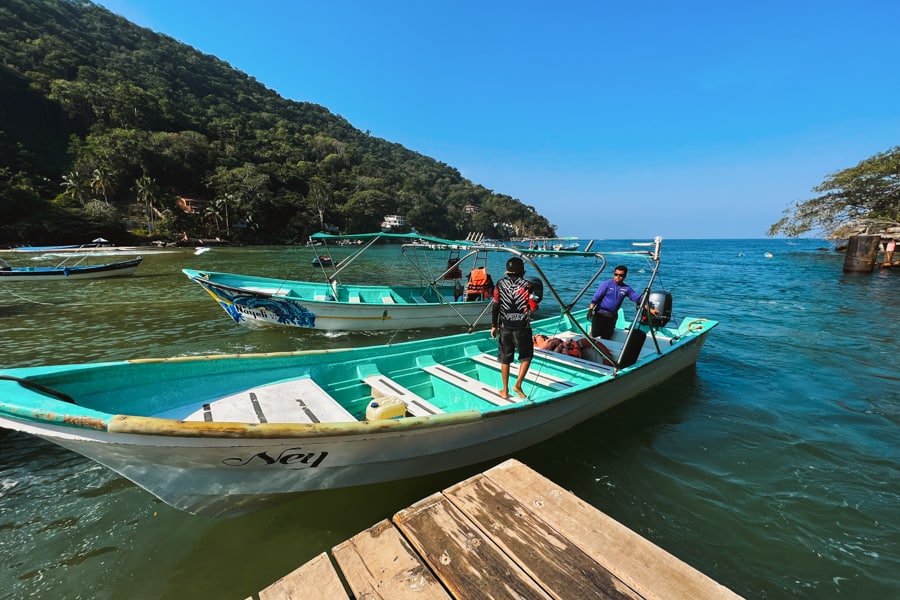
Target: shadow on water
<point x="286" y="536"/>
<point x="603" y="446"/>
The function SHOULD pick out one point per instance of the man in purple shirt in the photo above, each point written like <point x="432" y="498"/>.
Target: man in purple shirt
<point x="604" y="308"/>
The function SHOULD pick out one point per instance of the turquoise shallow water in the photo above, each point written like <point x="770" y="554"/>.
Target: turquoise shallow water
<point x="772" y="466"/>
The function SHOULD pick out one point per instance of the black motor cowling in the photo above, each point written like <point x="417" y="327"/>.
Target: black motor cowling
<point x="661" y="300"/>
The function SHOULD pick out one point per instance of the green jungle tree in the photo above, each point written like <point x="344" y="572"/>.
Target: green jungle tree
<point x="864" y="197"/>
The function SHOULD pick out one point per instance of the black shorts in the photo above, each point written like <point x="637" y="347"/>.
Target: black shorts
<point x="511" y="340"/>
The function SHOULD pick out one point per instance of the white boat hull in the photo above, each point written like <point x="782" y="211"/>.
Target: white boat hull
<point x="225" y="476"/>
<point x="272" y="307"/>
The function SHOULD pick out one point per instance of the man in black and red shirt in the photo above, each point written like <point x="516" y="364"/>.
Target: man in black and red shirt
<point x="511" y="319"/>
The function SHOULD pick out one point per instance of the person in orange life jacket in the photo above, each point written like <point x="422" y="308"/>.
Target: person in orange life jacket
<point x="604" y="307"/>
<point x="480" y="285"/>
<point x="511" y="324"/>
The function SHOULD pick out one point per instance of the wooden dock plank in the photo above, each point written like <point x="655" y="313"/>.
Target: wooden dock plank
<point x="379" y="564"/>
<point x="314" y="580"/>
<point x="534" y="545"/>
<point x="506" y="533"/>
<point x="468" y="563"/>
<point x="642" y="565"/>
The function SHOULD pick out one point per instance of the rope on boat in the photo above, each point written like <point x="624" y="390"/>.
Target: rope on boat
<point x="697" y="324"/>
<point x="27" y="383"/>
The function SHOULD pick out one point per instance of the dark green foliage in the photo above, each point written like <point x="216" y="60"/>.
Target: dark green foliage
<point x="866" y="196"/>
<point x="98" y="110"/>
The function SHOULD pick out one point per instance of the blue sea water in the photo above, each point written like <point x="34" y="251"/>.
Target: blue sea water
<point x="772" y="466"/>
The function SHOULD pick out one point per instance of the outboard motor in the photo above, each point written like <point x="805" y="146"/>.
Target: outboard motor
<point x="537" y="288"/>
<point x="661" y="300"/>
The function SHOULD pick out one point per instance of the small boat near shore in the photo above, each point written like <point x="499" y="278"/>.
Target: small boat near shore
<point x="224" y="435"/>
<point x="64" y="272"/>
<point x="96" y="244"/>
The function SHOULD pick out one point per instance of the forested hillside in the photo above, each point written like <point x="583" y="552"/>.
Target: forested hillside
<point x="104" y="125"/>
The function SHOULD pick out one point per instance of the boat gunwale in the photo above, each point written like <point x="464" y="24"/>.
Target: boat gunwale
<point x="290" y="283"/>
<point x="138" y="425"/>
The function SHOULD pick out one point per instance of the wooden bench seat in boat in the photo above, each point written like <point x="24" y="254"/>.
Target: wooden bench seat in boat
<point x="382" y="385"/>
<point x="463" y="381"/>
<point x="615" y="347"/>
<point x="587" y="365"/>
<point x="533" y="375"/>
<point x="299" y="400"/>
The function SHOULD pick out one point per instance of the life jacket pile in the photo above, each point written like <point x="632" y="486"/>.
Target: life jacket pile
<point x="552" y="344"/>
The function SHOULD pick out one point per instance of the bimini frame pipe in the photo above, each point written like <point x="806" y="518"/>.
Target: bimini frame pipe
<point x="645" y="297"/>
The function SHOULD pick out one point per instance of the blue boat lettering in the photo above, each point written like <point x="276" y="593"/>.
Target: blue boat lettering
<point x="292" y="457"/>
<point x="267" y="309"/>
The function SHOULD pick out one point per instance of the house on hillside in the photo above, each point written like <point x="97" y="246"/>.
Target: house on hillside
<point x="192" y="205"/>
<point x="394" y="224"/>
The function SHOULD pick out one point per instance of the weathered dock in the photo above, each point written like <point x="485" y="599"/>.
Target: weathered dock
<point x="506" y="533"/>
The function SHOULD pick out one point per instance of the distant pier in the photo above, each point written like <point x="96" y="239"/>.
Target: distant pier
<point x="506" y="533"/>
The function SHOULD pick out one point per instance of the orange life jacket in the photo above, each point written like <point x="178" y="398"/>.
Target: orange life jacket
<point x="480" y="284"/>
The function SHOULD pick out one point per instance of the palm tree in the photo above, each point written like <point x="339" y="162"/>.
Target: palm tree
<point x="146" y="194"/>
<point x="100" y="183"/>
<point x="320" y="194"/>
<point x="77" y="187"/>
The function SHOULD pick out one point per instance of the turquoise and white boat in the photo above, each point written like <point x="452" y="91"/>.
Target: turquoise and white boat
<point x="223" y="435"/>
<point x="442" y="299"/>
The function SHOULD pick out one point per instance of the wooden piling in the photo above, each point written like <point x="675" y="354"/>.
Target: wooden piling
<point x="507" y="532"/>
<point x="862" y="250"/>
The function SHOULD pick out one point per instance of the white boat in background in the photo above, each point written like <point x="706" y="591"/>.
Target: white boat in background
<point x="224" y="435"/>
<point x="442" y="299"/>
<point x="567" y="244"/>
<point x="97" y="247"/>
<point x="97" y="243"/>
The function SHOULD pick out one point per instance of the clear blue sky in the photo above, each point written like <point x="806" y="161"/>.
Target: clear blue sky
<point x="695" y="119"/>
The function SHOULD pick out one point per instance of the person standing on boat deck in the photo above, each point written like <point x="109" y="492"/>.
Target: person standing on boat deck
<point x="604" y="308"/>
<point x="511" y="323"/>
